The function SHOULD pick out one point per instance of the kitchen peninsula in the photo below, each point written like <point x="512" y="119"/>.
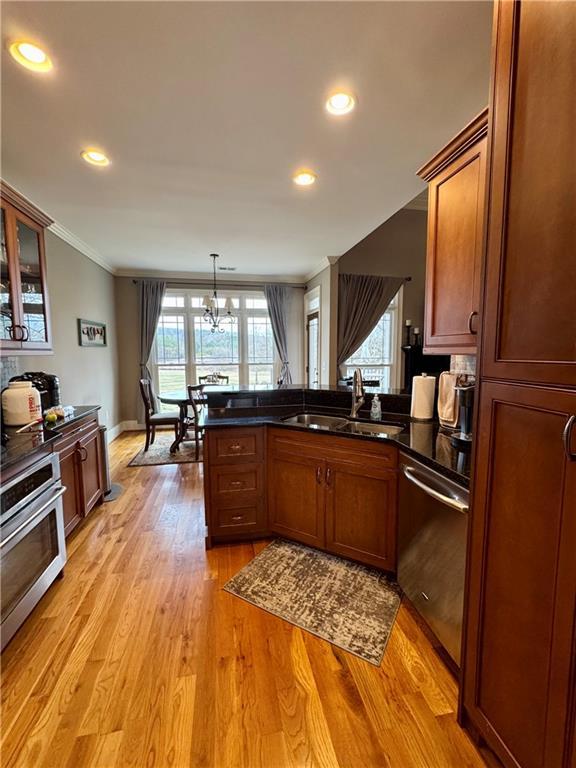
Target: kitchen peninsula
<point x="265" y="465"/>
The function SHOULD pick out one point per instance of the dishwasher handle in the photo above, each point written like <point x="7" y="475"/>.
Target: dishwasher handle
<point x="410" y="474"/>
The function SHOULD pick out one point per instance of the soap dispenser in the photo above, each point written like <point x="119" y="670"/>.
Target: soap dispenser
<point x="376" y="409"/>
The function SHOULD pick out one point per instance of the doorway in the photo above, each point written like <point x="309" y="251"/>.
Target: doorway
<point x="312" y="349"/>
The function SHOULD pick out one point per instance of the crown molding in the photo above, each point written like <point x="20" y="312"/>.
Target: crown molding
<point x="468" y="136"/>
<point x="327" y="261"/>
<point x="69" y="237"/>
<point x="225" y="277"/>
<point x="18" y="200"/>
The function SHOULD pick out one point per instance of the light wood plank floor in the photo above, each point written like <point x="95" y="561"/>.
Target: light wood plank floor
<point x="138" y="658"/>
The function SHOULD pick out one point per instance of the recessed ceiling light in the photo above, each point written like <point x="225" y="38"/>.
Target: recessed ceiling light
<point x="95" y="157"/>
<point x="340" y="103"/>
<point x="304" y="178"/>
<point x="30" y="56"/>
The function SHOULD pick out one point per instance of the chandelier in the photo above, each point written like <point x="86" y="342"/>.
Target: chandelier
<point x="210" y="304"/>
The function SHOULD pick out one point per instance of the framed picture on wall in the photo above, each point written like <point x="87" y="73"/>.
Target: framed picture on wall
<point x="91" y="333"/>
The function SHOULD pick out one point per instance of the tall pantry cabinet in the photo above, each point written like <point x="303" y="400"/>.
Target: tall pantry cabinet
<point x="518" y="687"/>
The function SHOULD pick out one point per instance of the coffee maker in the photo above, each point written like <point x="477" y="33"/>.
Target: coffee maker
<point x="47" y="384"/>
<point x="462" y="438"/>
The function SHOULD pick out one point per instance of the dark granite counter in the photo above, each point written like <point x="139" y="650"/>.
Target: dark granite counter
<point x="21" y="445"/>
<point x="426" y="441"/>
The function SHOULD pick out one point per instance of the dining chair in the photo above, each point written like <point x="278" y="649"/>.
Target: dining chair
<point x="154" y="418"/>
<point x="214" y="378"/>
<point x="196" y="422"/>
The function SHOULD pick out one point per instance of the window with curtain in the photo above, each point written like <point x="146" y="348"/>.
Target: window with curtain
<point x="185" y="348"/>
<point x="379" y="356"/>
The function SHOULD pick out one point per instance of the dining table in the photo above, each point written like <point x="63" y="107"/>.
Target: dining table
<point x="183" y="401"/>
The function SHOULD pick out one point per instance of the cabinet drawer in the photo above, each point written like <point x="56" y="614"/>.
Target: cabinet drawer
<point x="235" y="446"/>
<point x="74" y="432"/>
<point x="228" y="481"/>
<point x="242" y="517"/>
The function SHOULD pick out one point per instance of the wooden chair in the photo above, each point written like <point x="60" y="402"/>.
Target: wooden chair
<point x="214" y="378"/>
<point x="196" y="422"/>
<point x="153" y="417"/>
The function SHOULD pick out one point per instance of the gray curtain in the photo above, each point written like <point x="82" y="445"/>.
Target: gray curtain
<point x="150" y="295"/>
<point x="362" y="300"/>
<point x="278" y="297"/>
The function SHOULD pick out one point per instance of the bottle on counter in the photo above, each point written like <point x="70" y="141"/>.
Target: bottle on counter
<point x="21" y="404"/>
<point x="376" y="409"/>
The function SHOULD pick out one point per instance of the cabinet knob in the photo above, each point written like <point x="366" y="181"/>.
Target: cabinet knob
<point x="236" y="483"/>
<point x="318" y="475"/>
<point x="235" y="447"/>
<point x="328" y="476"/>
<point x="470" y="319"/>
<point x="236" y="518"/>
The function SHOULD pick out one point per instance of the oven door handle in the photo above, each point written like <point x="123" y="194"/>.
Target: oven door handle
<point x="36" y="514"/>
<point x="451" y="502"/>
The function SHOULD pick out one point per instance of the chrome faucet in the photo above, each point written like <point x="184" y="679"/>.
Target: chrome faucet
<point x="357" y="393"/>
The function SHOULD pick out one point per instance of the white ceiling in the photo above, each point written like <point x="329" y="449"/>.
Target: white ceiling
<point x="206" y="109"/>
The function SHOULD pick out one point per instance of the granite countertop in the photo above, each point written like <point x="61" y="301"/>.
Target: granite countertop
<point x="23" y="444"/>
<point x="426" y="441"/>
<point x="251" y="389"/>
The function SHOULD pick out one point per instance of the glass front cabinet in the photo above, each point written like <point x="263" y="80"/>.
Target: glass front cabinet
<point x="25" y="314"/>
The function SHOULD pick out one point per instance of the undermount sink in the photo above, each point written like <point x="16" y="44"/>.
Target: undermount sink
<point x="317" y="421"/>
<point x="376" y="430"/>
<point x="340" y="424"/>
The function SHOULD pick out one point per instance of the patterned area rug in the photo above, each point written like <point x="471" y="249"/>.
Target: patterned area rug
<point x="159" y="452"/>
<point x="349" y="605"/>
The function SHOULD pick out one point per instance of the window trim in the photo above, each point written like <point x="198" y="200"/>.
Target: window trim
<point x="189" y="312"/>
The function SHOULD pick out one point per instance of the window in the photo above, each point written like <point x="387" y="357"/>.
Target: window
<point x="378" y="357"/>
<point x="185" y="348"/>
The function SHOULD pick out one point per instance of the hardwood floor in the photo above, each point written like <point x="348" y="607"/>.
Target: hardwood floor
<point x="138" y="658"/>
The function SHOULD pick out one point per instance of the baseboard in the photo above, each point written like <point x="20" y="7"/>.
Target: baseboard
<point x="129" y="426"/>
<point x="113" y="432"/>
<point x="123" y="426"/>
<point x="132" y="426"/>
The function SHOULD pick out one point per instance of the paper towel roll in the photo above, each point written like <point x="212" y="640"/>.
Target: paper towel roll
<point x="423" y="389"/>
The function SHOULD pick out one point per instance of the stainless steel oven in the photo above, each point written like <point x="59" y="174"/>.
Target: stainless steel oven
<point x="432" y="533"/>
<point x="32" y="545"/>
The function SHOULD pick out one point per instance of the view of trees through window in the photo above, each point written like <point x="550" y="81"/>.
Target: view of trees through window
<point x="186" y="349"/>
<point x="376" y="357"/>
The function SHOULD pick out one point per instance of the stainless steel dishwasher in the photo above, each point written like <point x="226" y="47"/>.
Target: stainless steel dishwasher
<point x="432" y="532"/>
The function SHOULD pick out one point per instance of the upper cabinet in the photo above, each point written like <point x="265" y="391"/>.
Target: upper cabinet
<point x="530" y="305"/>
<point x="25" y="316"/>
<point x="456" y="179"/>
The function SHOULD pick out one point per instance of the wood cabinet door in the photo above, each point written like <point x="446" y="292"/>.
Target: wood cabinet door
<point x="530" y="303"/>
<point x="70" y="475"/>
<point x="296" y="497"/>
<point x="454" y="253"/>
<point x="90" y="470"/>
<point x="522" y="574"/>
<point x="361" y="513"/>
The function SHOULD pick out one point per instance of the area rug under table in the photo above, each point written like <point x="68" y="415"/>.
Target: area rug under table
<point x="349" y="605"/>
<point x="159" y="452"/>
